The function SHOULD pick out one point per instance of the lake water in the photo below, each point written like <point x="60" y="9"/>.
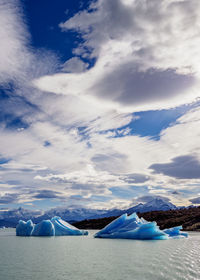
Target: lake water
<point x="86" y="258"/>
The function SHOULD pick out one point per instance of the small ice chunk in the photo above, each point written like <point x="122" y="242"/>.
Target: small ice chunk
<point x="175" y="232"/>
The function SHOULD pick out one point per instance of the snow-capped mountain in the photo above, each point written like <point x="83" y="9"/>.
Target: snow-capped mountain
<point x="11" y="217"/>
<point x="155" y="204"/>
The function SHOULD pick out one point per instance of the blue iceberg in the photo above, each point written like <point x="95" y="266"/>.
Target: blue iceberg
<point x="24" y="228"/>
<point x="44" y="228"/>
<point x="64" y="228"/>
<point x="175" y="232"/>
<point x="132" y="227"/>
<point x="54" y="227"/>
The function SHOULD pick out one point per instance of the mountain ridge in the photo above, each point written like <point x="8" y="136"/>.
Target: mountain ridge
<point x="11" y="217"/>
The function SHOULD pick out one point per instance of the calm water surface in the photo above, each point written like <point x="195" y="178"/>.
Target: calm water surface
<point x="86" y="258"/>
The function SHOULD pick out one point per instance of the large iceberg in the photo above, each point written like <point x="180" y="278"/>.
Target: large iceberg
<point x="132" y="227"/>
<point x="54" y="227"/>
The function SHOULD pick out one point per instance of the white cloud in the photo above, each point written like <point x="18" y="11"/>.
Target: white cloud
<point x="147" y="55"/>
<point x="13" y="53"/>
<point x="87" y="175"/>
<point x="74" y="65"/>
<point x="70" y="166"/>
<point x="19" y="62"/>
<point x="147" y="58"/>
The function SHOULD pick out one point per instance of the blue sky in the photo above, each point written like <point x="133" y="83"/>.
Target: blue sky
<point x="45" y="31"/>
<point x="99" y="102"/>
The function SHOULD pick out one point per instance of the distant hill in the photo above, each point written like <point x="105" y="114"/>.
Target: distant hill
<point x="189" y="218"/>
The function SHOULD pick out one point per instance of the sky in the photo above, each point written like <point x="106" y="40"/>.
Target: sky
<point x="99" y="103"/>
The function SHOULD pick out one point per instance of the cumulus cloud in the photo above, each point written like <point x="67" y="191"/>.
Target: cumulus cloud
<point x="127" y="85"/>
<point x="85" y="182"/>
<point x="8" y="198"/>
<point x="146" y="58"/>
<point x="43" y="194"/>
<point x="153" y="31"/>
<point x="145" y="54"/>
<point x="74" y="65"/>
<point x="148" y="198"/>
<point x="136" y="178"/>
<point x="111" y="162"/>
<point x="195" y="200"/>
<point x="71" y="167"/>
<point x="183" y="167"/>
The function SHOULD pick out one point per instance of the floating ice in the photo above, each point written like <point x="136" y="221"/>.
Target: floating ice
<point x="24" y="228"/>
<point x="64" y="228"/>
<point x="175" y="232"/>
<point x="54" y="227"/>
<point x="132" y="227"/>
<point x="44" y="228"/>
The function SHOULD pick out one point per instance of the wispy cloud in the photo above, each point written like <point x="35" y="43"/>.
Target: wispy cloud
<point x="71" y="130"/>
